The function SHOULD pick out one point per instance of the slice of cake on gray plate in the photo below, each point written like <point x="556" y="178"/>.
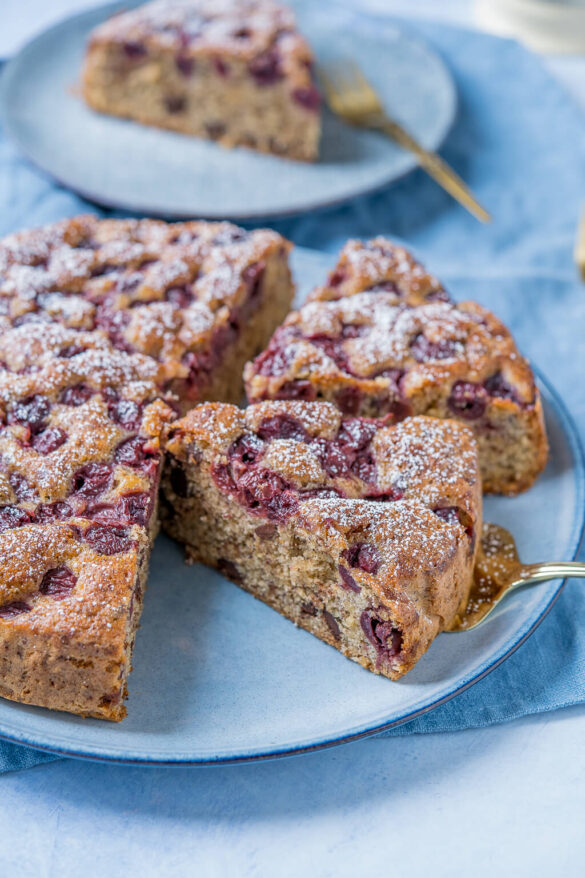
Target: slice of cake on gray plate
<point x="235" y="71"/>
<point x="363" y="534"/>
<point x="382" y="339"/>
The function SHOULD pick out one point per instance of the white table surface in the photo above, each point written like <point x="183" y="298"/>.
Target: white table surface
<point x="507" y="800"/>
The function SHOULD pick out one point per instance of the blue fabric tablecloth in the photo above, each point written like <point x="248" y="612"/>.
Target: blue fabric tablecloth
<point x="519" y="141"/>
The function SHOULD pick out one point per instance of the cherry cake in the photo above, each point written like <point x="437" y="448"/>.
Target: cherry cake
<point x="80" y="457"/>
<point x="235" y="71"/>
<point x="382" y="339"/>
<point x="199" y="298"/>
<point x="102" y="323"/>
<point x="363" y="534"/>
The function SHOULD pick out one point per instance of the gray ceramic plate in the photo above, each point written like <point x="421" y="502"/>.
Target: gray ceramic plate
<point x="220" y="677"/>
<point x="121" y="164"/>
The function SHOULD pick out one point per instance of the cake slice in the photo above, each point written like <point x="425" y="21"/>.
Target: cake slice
<point x="80" y="462"/>
<point x="365" y="535"/>
<point x="381" y="339"/>
<point x="235" y="71"/>
<point x="198" y="298"/>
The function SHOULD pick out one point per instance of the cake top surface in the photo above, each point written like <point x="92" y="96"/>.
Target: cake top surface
<point x="80" y="426"/>
<point x="241" y="28"/>
<point x="149" y="287"/>
<point x="79" y="464"/>
<point x="365" y="336"/>
<point x="379" y="265"/>
<point x="383" y="329"/>
<point x="62" y="582"/>
<point x="411" y="491"/>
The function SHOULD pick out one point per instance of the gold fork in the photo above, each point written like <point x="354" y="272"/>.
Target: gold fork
<point x="499" y="571"/>
<point x="351" y="96"/>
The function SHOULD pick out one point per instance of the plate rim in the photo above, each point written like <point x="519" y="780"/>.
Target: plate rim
<point x="11" y="130"/>
<point x="516" y="640"/>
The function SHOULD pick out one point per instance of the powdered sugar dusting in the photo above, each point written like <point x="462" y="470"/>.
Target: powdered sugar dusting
<point x="242" y="27"/>
<point x="158" y="289"/>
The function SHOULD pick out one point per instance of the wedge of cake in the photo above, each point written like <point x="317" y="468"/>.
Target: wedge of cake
<point x="199" y="298"/>
<point x="365" y="535"/>
<point x="381" y="339"/>
<point x="235" y="71"/>
<point x="79" y="472"/>
<point x="377" y="266"/>
<point x="100" y="322"/>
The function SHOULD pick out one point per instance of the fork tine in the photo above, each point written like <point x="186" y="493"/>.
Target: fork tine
<point x="337" y="87"/>
<point x="334" y="96"/>
<point x="364" y="83"/>
<point x="338" y="75"/>
<point x="348" y="87"/>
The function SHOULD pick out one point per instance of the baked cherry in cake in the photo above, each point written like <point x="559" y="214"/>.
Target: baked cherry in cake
<point x="80" y="460"/>
<point x="199" y="298"/>
<point x="381" y="339"/>
<point x="237" y="72"/>
<point x="363" y="534"/>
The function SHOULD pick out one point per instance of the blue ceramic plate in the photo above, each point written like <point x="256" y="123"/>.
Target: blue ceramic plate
<point x="144" y="170"/>
<point x="220" y="677"/>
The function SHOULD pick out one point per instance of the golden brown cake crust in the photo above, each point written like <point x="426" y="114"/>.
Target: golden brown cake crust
<point x="183" y="294"/>
<point x="380" y="265"/>
<point x="100" y="322"/>
<point x="358" y="523"/>
<point x="381" y="339"/>
<point x="80" y="429"/>
<point x="236" y="71"/>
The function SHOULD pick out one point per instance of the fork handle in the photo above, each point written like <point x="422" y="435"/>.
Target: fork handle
<point x="553" y="570"/>
<point x="439" y="170"/>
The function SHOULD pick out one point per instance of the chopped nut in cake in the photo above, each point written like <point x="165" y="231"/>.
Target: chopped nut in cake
<point x="363" y="534"/>
<point x="235" y="71"/>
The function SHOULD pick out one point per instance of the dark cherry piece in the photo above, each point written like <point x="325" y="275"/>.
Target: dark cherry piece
<point x="76" y="395"/>
<point x="126" y="413"/>
<point x="175" y="104"/>
<point x="229" y="570"/>
<point x="31" y="412"/>
<point x="309" y="98"/>
<point x="92" y="479"/>
<point x="134" y="50"/>
<point x="15" y="608"/>
<point x="424" y="350"/>
<point x="53" y="512"/>
<point x="383" y="635"/>
<point x="49" y="440"/>
<point x="185" y="65"/>
<point x="108" y="540"/>
<point x="332" y="624"/>
<point x="265" y="68"/>
<point x="13" y="516"/>
<point x="497" y="385"/>
<point x="58" y="582"/>
<point x="221" y="67"/>
<point x="282" y="427"/>
<point x="347" y="579"/>
<point x="266" y="531"/>
<point x="179" y="481"/>
<point x="365" y="556"/>
<point x="467" y="400"/>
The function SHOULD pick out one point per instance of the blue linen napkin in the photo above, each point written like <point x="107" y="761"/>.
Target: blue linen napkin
<point x="520" y="143"/>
